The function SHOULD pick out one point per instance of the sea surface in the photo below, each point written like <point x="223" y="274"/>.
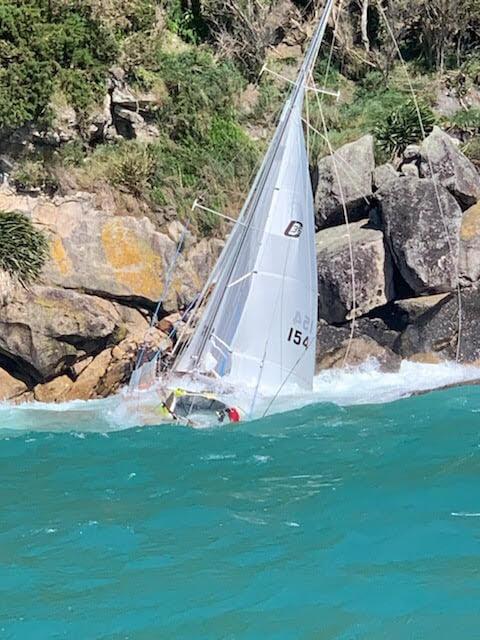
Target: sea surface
<point x="356" y="517"/>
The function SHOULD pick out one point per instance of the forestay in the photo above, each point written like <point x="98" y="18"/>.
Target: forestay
<point x="259" y="324"/>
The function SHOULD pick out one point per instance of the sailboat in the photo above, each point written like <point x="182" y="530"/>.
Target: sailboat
<point x="254" y="324"/>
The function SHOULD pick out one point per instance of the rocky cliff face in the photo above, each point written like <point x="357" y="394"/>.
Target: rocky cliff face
<point x="76" y="333"/>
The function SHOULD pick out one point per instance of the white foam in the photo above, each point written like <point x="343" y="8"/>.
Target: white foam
<point x="367" y="385"/>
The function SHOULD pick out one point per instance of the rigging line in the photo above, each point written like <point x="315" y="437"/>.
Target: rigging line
<point x="347" y="224"/>
<point x="434" y="180"/>
<point x="275" y="397"/>
<point x="197" y="205"/>
<point x="351" y="172"/>
<point x="332" y="45"/>
<point x="166" y="287"/>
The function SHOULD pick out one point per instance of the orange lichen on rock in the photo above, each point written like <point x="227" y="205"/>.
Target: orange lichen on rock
<point x="471" y="223"/>
<point x="136" y="265"/>
<point x="60" y="257"/>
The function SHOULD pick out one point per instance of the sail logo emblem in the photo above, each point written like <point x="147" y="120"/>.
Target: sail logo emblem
<point x="294" y="229"/>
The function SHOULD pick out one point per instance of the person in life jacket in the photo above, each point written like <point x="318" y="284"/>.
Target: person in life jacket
<point x="232" y="413"/>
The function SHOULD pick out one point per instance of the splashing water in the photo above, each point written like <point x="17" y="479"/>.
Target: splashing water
<point x="367" y="385"/>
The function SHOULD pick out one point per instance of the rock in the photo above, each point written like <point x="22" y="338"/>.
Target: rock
<point x="426" y="358"/>
<point x="345" y="176"/>
<point x="46" y="330"/>
<point x="177" y="232"/>
<point x="124" y="358"/>
<point x="6" y="286"/>
<point x="192" y="273"/>
<point x="410" y="170"/>
<point x="133" y="111"/>
<point x="357" y="352"/>
<point x="10" y="387"/>
<point x="99" y="122"/>
<point x="412" y="153"/>
<point x="114" y="256"/>
<point x="469" y="265"/>
<point x="104" y="374"/>
<point x="53" y="391"/>
<point x="80" y="366"/>
<point x="372" y="266"/>
<point x="330" y="338"/>
<point x="122" y="96"/>
<point x="413" y="308"/>
<point x="451" y="100"/>
<point x="453" y="169"/>
<point x="383" y="174"/>
<point x="132" y="126"/>
<point x="423" y="241"/>
<point x="436" y="331"/>
<point x="64" y="121"/>
<point x="447" y="103"/>
<point x="249" y="99"/>
<point x="286" y="51"/>
<point x="26" y="397"/>
<point x="136" y="324"/>
<point x="84" y="387"/>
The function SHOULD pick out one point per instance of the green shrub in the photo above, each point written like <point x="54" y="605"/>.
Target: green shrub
<point x="200" y="88"/>
<point x="472" y="150"/>
<point x="400" y="126"/>
<point x="44" y="44"/>
<point x="467" y="121"/>
<point x="132" y="167"/>
<point x="71" y="154"/>
<point x="32" y="175"/>
<point x="23" y="249"/>
<point x="188" y="23"/>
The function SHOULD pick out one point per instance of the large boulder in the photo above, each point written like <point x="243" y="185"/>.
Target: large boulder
<point x="10" y="387"/>
<point x="45" y="330"/>
<point x="470" y="245"/>
<point x="423" y="237"/>
<point x="383" y="174"/>
<point x="345" y="177"/>
<point x="452" y="168"/>
<point x="356" y="351"/>
<point x="372" y="267"/>
<point x="119" y="257"/>
<point x="331" y="338"/>
<point x="410" y="309"/>
<point x="104" y="374"/>
<point x="445" y="328"/>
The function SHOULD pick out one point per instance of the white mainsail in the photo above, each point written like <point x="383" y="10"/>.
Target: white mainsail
<point x="258" y="327"/>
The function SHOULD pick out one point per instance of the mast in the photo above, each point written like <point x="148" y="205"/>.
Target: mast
<point x="241" y="260"/>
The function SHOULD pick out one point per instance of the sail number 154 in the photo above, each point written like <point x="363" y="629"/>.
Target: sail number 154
<point x="300" y="336"/>
<point x="297" y="337"/>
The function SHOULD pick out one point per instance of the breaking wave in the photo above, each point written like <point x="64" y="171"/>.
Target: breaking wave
<point x="366" y="385"/>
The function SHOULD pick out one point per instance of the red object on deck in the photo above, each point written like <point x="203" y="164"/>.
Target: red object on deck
<point x="233" y="414"/>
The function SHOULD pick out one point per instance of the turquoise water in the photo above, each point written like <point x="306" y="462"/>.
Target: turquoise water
<point x="321" y="523"/>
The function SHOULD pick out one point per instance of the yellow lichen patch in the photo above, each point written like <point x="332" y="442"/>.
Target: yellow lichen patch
<point x="60" y="257"/>
<point x="471" y="223"/>
<point x="137" y="267"/>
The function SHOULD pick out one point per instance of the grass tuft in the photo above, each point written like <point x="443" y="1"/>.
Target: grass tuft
<point x="23" y="248"/>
